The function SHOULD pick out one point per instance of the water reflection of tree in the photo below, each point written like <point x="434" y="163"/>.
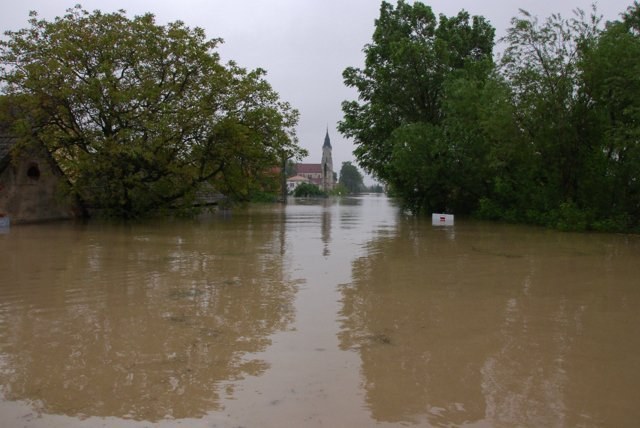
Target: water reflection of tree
<point x="405" y="314"/>
<point x="488" y="326"/>
<point x="325" y="227"/>
<point x="145" y="323"/>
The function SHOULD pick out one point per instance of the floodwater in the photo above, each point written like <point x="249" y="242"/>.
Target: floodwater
<point x="336" y="313"/>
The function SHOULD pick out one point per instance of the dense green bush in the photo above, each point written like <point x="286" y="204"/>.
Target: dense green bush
<point x="307" y="190"/>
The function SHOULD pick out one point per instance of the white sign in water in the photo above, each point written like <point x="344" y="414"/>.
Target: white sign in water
<point x="442" y="219"/>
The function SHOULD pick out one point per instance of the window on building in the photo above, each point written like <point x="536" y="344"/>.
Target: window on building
<point x="33" y="172"/>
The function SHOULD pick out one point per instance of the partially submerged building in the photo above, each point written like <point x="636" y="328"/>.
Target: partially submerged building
<point x="30" y="184"/>
<point x="294" y="182"/>
<point x="321" y="174"/>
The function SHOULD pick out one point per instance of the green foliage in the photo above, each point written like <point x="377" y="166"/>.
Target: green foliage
<point x="541" y="65"/>
<point x="549" y="136"/>
<point x="350" y="178"/>
<point x="291" y="168"/>
<point x="573" y="93"/>
<point x="263" y="197"/>
<point x="610" y="67"/>
<point x="399" y="123"/>
<point x="308" y="190"/>
<point x="339" y="190"/>
<point x="140" y="115"/>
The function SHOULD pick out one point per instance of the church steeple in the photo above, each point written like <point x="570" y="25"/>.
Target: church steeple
<point x="327" y="142"/>
<point x="328" y="181"/>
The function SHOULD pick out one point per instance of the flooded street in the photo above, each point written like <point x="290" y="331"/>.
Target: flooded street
<point x="336" y="313"/>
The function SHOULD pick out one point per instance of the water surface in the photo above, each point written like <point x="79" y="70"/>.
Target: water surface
<point x="329" y="313"/>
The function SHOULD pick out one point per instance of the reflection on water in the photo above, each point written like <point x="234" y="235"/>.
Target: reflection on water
<point x="322" y="313"/>
<point x="141" y="322"/>
<point x="501" y="325"/>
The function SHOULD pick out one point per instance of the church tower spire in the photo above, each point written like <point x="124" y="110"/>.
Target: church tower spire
<point x="328" y="181"/>
<point x="327" y="142"/>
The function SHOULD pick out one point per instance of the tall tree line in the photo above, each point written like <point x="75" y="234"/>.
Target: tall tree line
<point x="548" y="134"/>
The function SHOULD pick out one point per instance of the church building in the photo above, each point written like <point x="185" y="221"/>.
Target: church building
<point x="321" y="174"/>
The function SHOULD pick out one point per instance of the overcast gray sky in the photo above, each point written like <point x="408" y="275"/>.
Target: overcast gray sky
<point x="303" y="44"/>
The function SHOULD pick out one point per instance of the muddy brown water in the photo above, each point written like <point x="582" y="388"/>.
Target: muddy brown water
<point x="337" y="313"/>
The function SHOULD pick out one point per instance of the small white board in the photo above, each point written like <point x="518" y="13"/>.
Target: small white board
<point x="442" y="219"/>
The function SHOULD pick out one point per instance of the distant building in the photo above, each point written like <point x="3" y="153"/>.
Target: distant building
<point x="30" y="184"/>
<point x="321" y="174"/>
<point x="294" y="182"/>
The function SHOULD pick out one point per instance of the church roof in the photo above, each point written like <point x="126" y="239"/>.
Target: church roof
<point x="327" y="142"/>
<point x="309" y="168"/>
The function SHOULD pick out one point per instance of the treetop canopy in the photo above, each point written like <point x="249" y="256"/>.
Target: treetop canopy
<point x="139" y="115"/>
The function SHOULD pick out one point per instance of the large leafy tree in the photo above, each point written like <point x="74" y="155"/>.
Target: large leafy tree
<point x="399" y="124"/>
<point x="541" y="64"/>
<point x="563" y="128"/>
<point x="140" y="115"/>
<point x="351" y="178"/>
<point x="610" y="67"/>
